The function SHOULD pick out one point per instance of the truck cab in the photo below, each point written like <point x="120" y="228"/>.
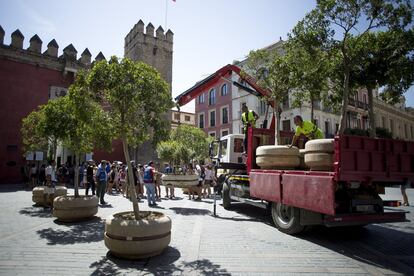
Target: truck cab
<point x="230" y="149"/>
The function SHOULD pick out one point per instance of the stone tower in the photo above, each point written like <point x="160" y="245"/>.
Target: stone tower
<point x="157" y="51"/>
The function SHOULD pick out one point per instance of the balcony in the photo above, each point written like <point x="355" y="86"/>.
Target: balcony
<point x="358" y="104"/>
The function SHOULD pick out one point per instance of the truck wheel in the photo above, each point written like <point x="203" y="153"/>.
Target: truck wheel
<point x="286" y="218"/>
<point x="226" y="196"/>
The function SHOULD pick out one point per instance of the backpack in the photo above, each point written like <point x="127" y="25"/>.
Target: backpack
<point x="148" y="175"/>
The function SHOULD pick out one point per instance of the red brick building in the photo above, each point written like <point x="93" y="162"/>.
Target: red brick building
<point x="213" y="109"/>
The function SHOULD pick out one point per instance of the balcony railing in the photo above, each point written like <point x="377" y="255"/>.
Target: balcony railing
<point x="358" y="104"/>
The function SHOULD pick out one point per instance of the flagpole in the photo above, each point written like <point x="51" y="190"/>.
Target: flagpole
<point x="166" y="10"/>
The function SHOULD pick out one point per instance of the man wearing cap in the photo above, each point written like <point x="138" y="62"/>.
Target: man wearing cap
<point x="101" y="178"/>
<point x="149" y="181"/>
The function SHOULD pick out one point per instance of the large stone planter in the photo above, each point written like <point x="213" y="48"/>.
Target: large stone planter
<point x="39" y="198"/>
<point x="319" y="154"/>
<point x="277" y="157"/>
<point x="128" y="238"/>
<point x="70" y="209"/>
<point x="180" y="180"/>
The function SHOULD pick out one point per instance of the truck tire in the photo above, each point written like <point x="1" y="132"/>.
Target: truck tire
<point x="286" y="218"/>
<point x="277" y="157"/>
<point x="320" y="145"/>
<point x="226" y="196"/>
<point x="319" y="161"/>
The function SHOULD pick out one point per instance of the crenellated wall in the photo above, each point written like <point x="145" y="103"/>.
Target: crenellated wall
<point x="67" y="61"/>
<point x="29" y="78"/>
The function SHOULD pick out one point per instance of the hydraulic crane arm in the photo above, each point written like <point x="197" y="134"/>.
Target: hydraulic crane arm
<point x="224" y="72"/>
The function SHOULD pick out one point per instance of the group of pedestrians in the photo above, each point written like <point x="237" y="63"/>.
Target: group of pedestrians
<point x="34" y="174"/>
<point x="206" y="180"/>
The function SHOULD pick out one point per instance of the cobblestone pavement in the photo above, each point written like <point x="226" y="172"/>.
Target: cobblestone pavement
<point x="237" y="242"/>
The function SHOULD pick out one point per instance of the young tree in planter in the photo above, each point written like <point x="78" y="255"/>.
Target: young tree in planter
<point x="186" y="143"/>
<point x="272" y="71"/>
<point x="136" y="99"/>
<point x="355" y="19"/>
<point x="88" y="126"/>
<point x="309" y="61"/>
<point x="32" y="136"/>
<point x="192" y="138"/>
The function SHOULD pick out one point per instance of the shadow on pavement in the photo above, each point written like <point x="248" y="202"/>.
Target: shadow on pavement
<point x="11" y="188"/>
<point x="247" y="213"/>
<point x="105" y="206"/>
<point x="376" y="245"/>
<point x="205" y="267"/>
<point x="190" y="211"/>
<point x="81" y="232"/>
<point x="159" y="265"/>
<point x="35" y="211"/>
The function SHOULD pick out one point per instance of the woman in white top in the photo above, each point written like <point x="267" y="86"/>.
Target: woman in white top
<point x="209" y="180"/>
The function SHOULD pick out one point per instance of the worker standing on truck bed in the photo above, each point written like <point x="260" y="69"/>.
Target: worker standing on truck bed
<point x="248" y="118"/>
<point x="306" y="128"/>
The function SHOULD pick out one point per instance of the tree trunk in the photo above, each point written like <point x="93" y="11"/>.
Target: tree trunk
<point x="345" y="100"/>
<point x="312" y="109"/>
<point x="130" y="178"/>
<point x="277" y="124"/>
<point x="76" y="174"/>
<point x="372" y="126"/>
<point x="278" y="129"/>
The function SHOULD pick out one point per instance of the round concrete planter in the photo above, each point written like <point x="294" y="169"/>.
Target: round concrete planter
<point x="319" y="154"/>
<point x="38" y="195"/>
<point x="179" y="180"/>
<point x="319" y="161"/>
<point x="128" y="238"/>
<point x="70" y="209"/>
<point x="277" y="157"/>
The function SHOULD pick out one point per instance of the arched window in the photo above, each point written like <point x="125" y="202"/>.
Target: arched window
<point x="212" y="97"/>
<point x="224" y="89"/>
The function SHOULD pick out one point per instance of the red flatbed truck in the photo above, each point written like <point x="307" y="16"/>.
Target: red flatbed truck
<point x="346" y="196"/>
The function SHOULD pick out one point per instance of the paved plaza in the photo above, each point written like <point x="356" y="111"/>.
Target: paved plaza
<point x="242" y="241"/>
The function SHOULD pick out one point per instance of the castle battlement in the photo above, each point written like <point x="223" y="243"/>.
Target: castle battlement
<point x="154" y="47"/>
<point x="159" y="39"/>
<point x="68" y="61"/>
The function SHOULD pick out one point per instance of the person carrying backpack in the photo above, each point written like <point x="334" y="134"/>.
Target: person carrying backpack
<point x="149" y="182"/>
<point x="101" y="178"/>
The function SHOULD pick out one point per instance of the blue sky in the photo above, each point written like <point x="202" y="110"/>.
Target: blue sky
<point x="208" y="34"/>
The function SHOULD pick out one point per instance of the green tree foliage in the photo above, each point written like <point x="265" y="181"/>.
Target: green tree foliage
<point x="76" y="120"/>
<point x="386" y="60"/>
<point x="32" y="137"/>
<point x="350" y="19"/>
<point x="186" y="143"/>
<point x="136" y="99"/>
<point x="88" y="127"/>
